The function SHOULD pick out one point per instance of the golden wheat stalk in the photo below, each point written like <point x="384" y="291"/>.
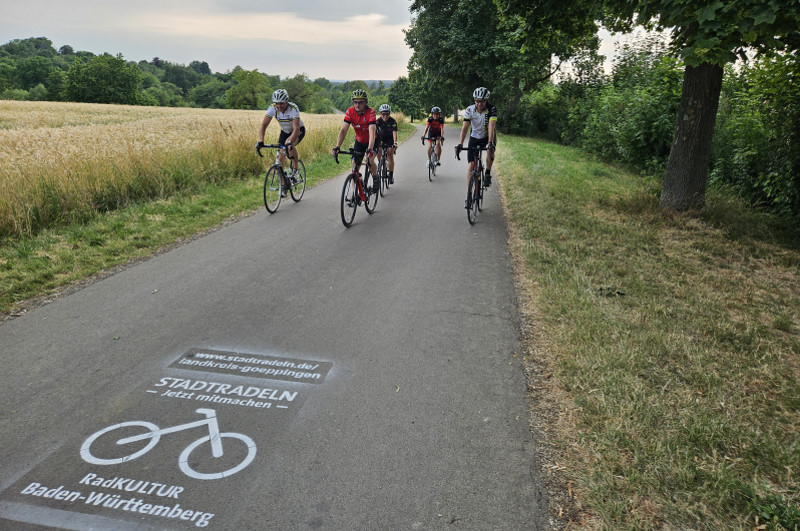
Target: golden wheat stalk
<point x="62" y="161"/>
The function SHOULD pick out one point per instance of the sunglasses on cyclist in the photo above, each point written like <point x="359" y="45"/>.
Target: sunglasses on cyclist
<point x="480" y="101"/>
<point x="359" y="102"/>
<point x="384" y="114"/>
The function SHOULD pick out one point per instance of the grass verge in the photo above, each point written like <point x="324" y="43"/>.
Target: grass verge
<point x="664" y="355"/>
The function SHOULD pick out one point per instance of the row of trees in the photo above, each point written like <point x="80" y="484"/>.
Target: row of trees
<point x="33" y="69"/>
<point x="630" y="115"/>
<point x="514" y="46"/>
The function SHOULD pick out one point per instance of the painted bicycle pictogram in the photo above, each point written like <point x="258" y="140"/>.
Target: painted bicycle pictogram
<point x="154" y="433"/>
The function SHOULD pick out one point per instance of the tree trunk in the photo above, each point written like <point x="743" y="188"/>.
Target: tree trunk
<point x="687" y="168"/>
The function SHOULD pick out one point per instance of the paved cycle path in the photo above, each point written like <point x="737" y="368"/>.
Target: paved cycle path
<point x="361" y="378"/>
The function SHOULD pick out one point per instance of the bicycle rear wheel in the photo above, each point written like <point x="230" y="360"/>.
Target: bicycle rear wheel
<point x="372" y="197"/>
<point x="299" y="188"/>
<point x="349" y="200"/>
<point x="272" y="190"/>
<point x="472" y="191"/>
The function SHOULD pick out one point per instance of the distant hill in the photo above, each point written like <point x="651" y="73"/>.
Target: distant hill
<point x="386" y="82"/>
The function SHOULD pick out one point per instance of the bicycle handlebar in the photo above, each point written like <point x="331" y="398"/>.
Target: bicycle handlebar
<point x="273" y="146"/>
<point x="474" y="148"/>
<point x="352" y="152"/>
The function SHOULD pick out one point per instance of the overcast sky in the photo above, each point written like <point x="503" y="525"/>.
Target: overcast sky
<point x="342" y="40"/>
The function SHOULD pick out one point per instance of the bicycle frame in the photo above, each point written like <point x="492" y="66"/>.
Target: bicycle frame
<point x="210" y="421"/>
<point x="478" y="159"/>
<point x="354" y="169"/>
<point x="280" y="149"/>
<point x="474" y="194"/>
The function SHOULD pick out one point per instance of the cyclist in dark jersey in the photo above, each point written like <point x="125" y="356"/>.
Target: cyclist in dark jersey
<point x="363" y="119"/>
<point x="386" y="131"/>
<point x="434" y="133"/>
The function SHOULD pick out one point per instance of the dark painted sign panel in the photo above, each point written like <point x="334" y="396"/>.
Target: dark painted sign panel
<point x="174" y="454"/>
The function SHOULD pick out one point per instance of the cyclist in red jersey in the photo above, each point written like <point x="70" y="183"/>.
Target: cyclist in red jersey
<point x="363" y="120"/>
<point x="434" y="133"/>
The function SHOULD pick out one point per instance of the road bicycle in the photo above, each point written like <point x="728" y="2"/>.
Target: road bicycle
<point x="383" y="168"/>
<point x="433" y="160"/>
<point x="477" y="184"/>
<point x="355" y="191"/>
<point x="154" y="433"/>
<point x="274" y="190"/>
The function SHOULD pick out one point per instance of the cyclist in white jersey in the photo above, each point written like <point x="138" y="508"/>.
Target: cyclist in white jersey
<point x="482" y="118"/>
<point x="292" y="128"/>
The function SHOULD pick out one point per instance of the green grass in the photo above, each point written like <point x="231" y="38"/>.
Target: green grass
<point x="674" y="340"/>
<point x="35" y="266"/>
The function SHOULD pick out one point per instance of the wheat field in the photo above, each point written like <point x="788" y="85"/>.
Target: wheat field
<point x="64" y="162"/>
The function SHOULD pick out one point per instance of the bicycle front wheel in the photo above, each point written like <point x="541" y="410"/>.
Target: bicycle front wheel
<point x="272" y="190"/>
<point x="372" y="197"/>
<point x="472" y="192"/>
<point x="480" y="190"/>
<point x="430" y="168"/>
<point x="299" y="188"/>
<point x="349" y="200"/>
<point x="384" y="176"/>
<point x="240" y="456"/>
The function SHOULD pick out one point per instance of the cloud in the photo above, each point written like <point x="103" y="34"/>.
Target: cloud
<point x="276" y="26"/>
<point x="343" y="40"/>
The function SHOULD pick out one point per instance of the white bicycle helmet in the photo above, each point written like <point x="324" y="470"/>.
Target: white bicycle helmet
<point x="280" y="96"/>
<point x="436" y="109"/>
<point x="481" y="93"/>
<point x="384" y="108"/>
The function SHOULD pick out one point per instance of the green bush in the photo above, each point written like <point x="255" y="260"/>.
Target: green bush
<point x="757" y="140"/>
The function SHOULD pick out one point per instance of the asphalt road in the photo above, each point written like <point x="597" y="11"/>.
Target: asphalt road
<point x="362" y="378"/>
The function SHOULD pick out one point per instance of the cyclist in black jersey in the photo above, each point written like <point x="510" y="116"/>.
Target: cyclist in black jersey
<point x="386" y="133"/>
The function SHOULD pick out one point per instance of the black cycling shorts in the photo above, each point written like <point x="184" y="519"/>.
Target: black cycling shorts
<point x="358" y="146"/>
<point x="285" y="136"/>
<point x="475" y="142"/>
<point x="386" y="140"/>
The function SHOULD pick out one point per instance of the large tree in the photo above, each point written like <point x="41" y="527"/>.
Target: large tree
<point x="104" y="79"/>
<point x="706" y="34"/>
<point x="250" y="90"/>
<point x="403" y="98"/>
<point x="462" y="44"/>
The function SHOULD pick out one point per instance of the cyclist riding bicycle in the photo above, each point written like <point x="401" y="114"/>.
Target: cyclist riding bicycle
<point x="292" y="128"/>
<point x="386" y="133"/>
<point x="363" y="120"/>
<point x="482" y="118"/>
<point x="434" y="133"/>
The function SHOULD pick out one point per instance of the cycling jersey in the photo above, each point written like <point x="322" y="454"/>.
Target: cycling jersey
<point x="435" y="126"/>
<point x="361" y="122"/>
<point x="480" y="120"/>
<point x="385" y="128"/>
<point x="285" y="119"/>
